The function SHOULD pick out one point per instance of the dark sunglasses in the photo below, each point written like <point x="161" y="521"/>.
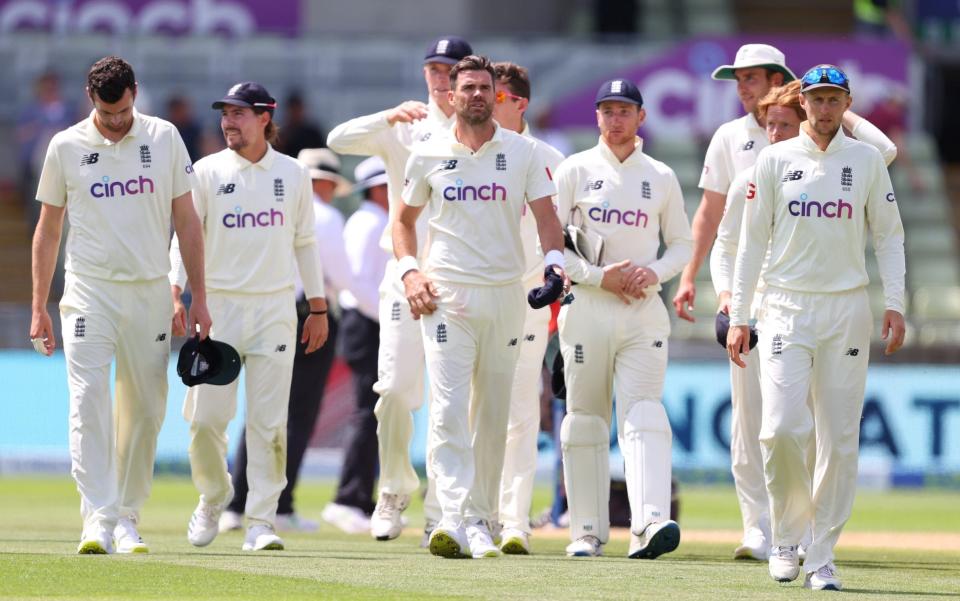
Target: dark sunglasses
<point x="826" y="75"/>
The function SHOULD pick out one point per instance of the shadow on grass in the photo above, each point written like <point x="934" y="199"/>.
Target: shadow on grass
<point x="866" y="591"/>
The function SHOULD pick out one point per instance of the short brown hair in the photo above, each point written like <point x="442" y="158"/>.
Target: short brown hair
<point x="787" y="96"/>
<point x="110" y="77"/>
<point x="472" y="62"/>
<point x="514" y="77"/>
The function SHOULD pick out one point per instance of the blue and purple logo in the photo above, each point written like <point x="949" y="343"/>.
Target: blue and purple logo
<point x="108" y="189"/>
<point x="241" y="220"/>
<point x="492" y="191"/>
<point x="812" y="208"/>
<point x="604" y="214"/>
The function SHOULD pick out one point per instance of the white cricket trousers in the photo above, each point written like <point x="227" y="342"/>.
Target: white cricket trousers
<point x="263" y="329"/>
<point x="816" y="345"/>
<point x="400" y="367"/>
<point x="614" y="349"/>
<point x="746" y="459"/>
<point x="471" y="343"/>
<point x="523" y="425"/>
<point x="130" y="321"/>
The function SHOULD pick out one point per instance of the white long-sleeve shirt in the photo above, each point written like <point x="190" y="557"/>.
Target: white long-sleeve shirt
<point x="476" y="197"/>
<point x="118" y="196"/>
<point x="724" y="254"/>
<point x="372" y="135"/>
<point x="257" y="223"/>
<point x="813" y="208"/>
<point x="629" y="204"/>
<point x="734" y="147"/>
<point x="367" y="261"/>
<point x="328" y="231"/>
<point x="551" y="157"/>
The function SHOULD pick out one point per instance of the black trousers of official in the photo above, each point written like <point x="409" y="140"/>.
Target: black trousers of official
<point x="310" y="373"/>
<point x="359" y="344"/>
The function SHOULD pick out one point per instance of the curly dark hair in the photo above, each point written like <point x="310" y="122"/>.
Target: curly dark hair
<point x="472" y="62"/>
<point x="109" y="78"/>
<point x="514" y="77"/>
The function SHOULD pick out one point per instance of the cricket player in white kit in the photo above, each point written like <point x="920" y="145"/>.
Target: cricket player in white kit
<point x="122" y="175"/>
<point x="477" y="176"/>
<point x="520" y="459"/>
<point x="390" y="135"/>
<point x="614" y="336"/>
<point x="257" y="211"/>
<point x="782" y="115"/>
<point x="734" y="147"/>
<point x="813" y="199"/>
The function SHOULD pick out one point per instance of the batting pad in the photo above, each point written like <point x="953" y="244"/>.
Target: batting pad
<point x="645" y="443"/>
<point x="585" y="442"/>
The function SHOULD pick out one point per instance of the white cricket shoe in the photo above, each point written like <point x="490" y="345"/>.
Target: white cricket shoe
<point x="386" y="523"/>
<point x="348" y="519"/>
<point x="585" y="546"/>
<point x="784" y="564"/>
<point x="481" y="542"/>
<point x="230" y="520"/>
<point x="96" y="540"/>
<point x="449" y="542"/>
<point x="655" y="540"/>
<point x="428" y="527"/>
<point x="825" y="578"/>
<point x="292" y="522"/>
<point x="753" y="546"/>
<point x="514" y="542"/>
<point x="261" y="537"/>
<point x="204" y="524"/>
<point x="127" y="537"/>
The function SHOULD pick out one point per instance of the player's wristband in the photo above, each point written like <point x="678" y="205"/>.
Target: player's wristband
<point x="405" y="265"/>
<point x="554" y="257"/>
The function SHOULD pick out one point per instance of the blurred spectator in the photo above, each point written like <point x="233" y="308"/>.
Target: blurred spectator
<point x="881" y="18"/>
<point x="889" y="114"/>
<point x="297" y="130"/>
<point x="46" y="114"/>
<point x="180" y="113"/>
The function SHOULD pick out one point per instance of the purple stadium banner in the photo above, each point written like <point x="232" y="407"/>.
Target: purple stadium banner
<point x="232" y="18"/>
<point x="682" y="100"/>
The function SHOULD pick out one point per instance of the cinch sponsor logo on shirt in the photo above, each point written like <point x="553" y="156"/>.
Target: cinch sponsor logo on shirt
<point x="604" y="214"/>
<point x="491" y="191"/>
<point x="239" y="219"/>
<point x="812" y="208"/>
<point x="108" y="189"/>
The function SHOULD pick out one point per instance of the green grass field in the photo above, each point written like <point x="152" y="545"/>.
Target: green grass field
<point x="40" y="526"/>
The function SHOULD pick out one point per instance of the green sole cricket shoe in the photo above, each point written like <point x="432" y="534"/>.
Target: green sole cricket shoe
<point x="514" y="542"/>
<point x="261" y="537"/>
<point x="444" y="543"/>
<point x="657" y="538"/>
<point x="91" y="547"/>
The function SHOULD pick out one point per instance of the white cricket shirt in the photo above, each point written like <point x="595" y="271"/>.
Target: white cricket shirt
<point x="814" y="207"/>
<point x="328" y="232"/>
<point x="372" y="135"/>
<point x="119" y="196"/>
<point x="734" y="147"/>
<point x="533" y="256"/>
<point x="254" y="215"/>
<point x="476" y="198"/>
<point x="629" y="204"/>
<point x="367" y="261"/>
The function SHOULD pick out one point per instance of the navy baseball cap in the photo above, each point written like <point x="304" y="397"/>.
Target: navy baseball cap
<point x="723" y="326"/>
<point x="824" y="76"/>
<point x="248" y="94"/>
<point x="621" y="90"/>
<point x="207" y="362"/>
<point x="448" y="50"/>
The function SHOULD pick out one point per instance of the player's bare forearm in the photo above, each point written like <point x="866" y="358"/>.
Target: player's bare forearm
<point x="405" y="231"/>
<point x="190" y="235"/>
<point x="548" y="224"/>
<point x="706" y="222"/>
<point x="46" y="246"/>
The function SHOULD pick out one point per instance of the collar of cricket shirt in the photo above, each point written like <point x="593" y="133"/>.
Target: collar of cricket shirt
<point x="265" y="163"/>
<point x="606" y="153"/>
<point x="839" y="140"/>
<point x="95" y="137"/>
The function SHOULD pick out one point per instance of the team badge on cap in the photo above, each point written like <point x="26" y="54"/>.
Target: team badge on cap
<point x="448" y="50"/>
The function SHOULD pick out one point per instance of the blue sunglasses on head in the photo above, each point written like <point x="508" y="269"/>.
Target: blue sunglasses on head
<point x="826" y="75"/>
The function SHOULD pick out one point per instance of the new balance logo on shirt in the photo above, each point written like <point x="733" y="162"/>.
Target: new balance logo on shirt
<point x="280" y="348"/>
<point x="513" y="342"/>
<point x="161" y="337"/>
<point x="226" y="189"/>
<point x="593" y="185"/>
<point x="792" y="176"/>
<point x="657" y="344"/>
<point x="89" y="159"/>
<point x="448" y="164"/>
<point x="748" y="145"/>
<point x="852" y="352"/>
